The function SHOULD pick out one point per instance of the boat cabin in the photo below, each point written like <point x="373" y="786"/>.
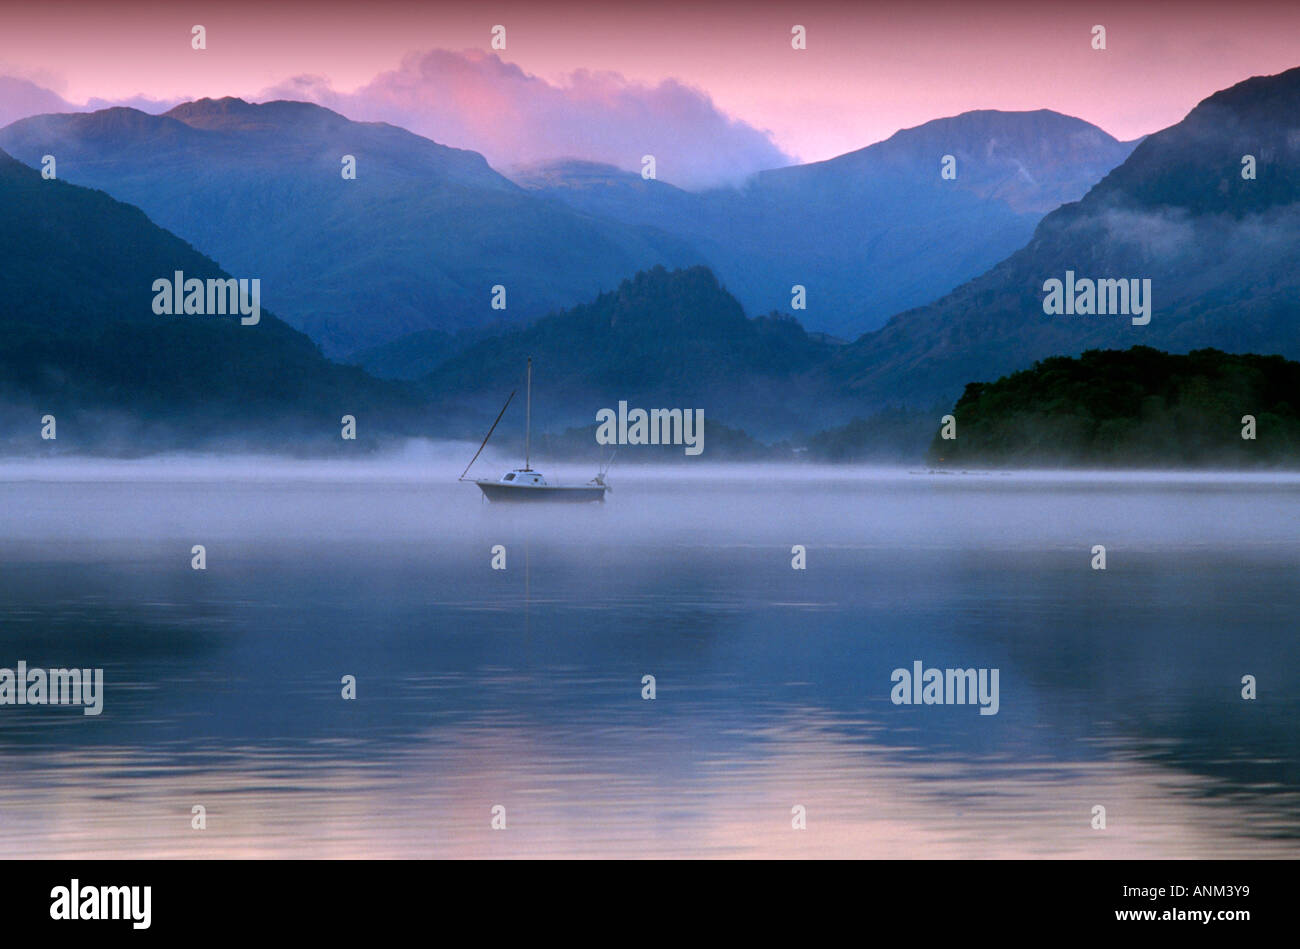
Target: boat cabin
<point x="524" y="478"/>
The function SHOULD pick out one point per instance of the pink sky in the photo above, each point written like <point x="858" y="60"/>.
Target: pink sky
<point x="870" y="68"/>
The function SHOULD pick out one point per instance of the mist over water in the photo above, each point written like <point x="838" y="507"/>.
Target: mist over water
<point x="522" y="687"/>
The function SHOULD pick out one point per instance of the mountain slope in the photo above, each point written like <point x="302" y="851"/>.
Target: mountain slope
<point x="416" y="241"/>
<point x="871" y="232"/>
<point x="661" y="340"/>
<point x="79" y="338"/>
<point x="1218" y="249"/>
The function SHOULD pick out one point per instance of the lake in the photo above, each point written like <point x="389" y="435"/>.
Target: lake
<point x="521" y="689"/>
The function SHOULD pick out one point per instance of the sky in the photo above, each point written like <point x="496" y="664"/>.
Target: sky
<point x="718" y="84"/>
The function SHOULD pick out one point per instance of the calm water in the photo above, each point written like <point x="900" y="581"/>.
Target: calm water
<point x="522" y="687"/>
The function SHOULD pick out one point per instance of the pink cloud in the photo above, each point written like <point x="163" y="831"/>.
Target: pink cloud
<point x="475" y="100"/>
<point x="20" y="98"/>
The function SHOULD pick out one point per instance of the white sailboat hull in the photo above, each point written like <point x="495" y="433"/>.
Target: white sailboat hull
<point x="535" y="493"/>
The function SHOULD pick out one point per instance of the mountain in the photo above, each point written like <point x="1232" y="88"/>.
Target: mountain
<point x="660" y="340"/>
<point x="417" y="241"/>
<point x="418" y="354"/>
<point x="79" y="339"/>
<point x="871" y="232"/>
<point x="421" y="236"/>
<point x="1218" y="249"/>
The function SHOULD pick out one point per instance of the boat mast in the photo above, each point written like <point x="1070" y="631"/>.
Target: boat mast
<point x="528" y="416"/>
<point x="485" y="438"/>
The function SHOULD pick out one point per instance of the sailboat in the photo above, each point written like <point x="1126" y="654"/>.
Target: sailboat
<point x="525" y="484"/>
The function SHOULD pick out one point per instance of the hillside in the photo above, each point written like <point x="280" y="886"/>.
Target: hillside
<point x="871" y="232"/>
<point x="661" y="339"/>
<point x="415" y="242"/>
<point x="1219" y="251"/>
<point x="1137" y="407"/>
<point x="79" y="339"/>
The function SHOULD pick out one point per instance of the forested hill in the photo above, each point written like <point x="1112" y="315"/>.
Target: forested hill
<point x="1138" y="407"/>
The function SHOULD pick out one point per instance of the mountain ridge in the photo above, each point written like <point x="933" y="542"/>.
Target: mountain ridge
<point x="869" y="233"/>
<point x="79" y="339"/>
<point x="1221" y="266"/>
<point x="416" y="241"/>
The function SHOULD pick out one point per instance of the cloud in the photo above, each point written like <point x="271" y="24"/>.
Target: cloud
<point x="1160" y="236"/>
<point x="20" y="98"/>
<point x="475" y="100"/>
<point x="143" y="103"/>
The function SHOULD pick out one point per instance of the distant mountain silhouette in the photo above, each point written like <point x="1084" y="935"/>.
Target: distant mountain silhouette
<point x="871" y="232"/>
<point x="660" y="340"/>
<point x="79" y="339"/>
<point x="1220" y="252"/>
<point x="76" y="266"/>
<point x="419" y="239"/>
<point x="416" y="241"/>
<point x="420" y="353"/>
